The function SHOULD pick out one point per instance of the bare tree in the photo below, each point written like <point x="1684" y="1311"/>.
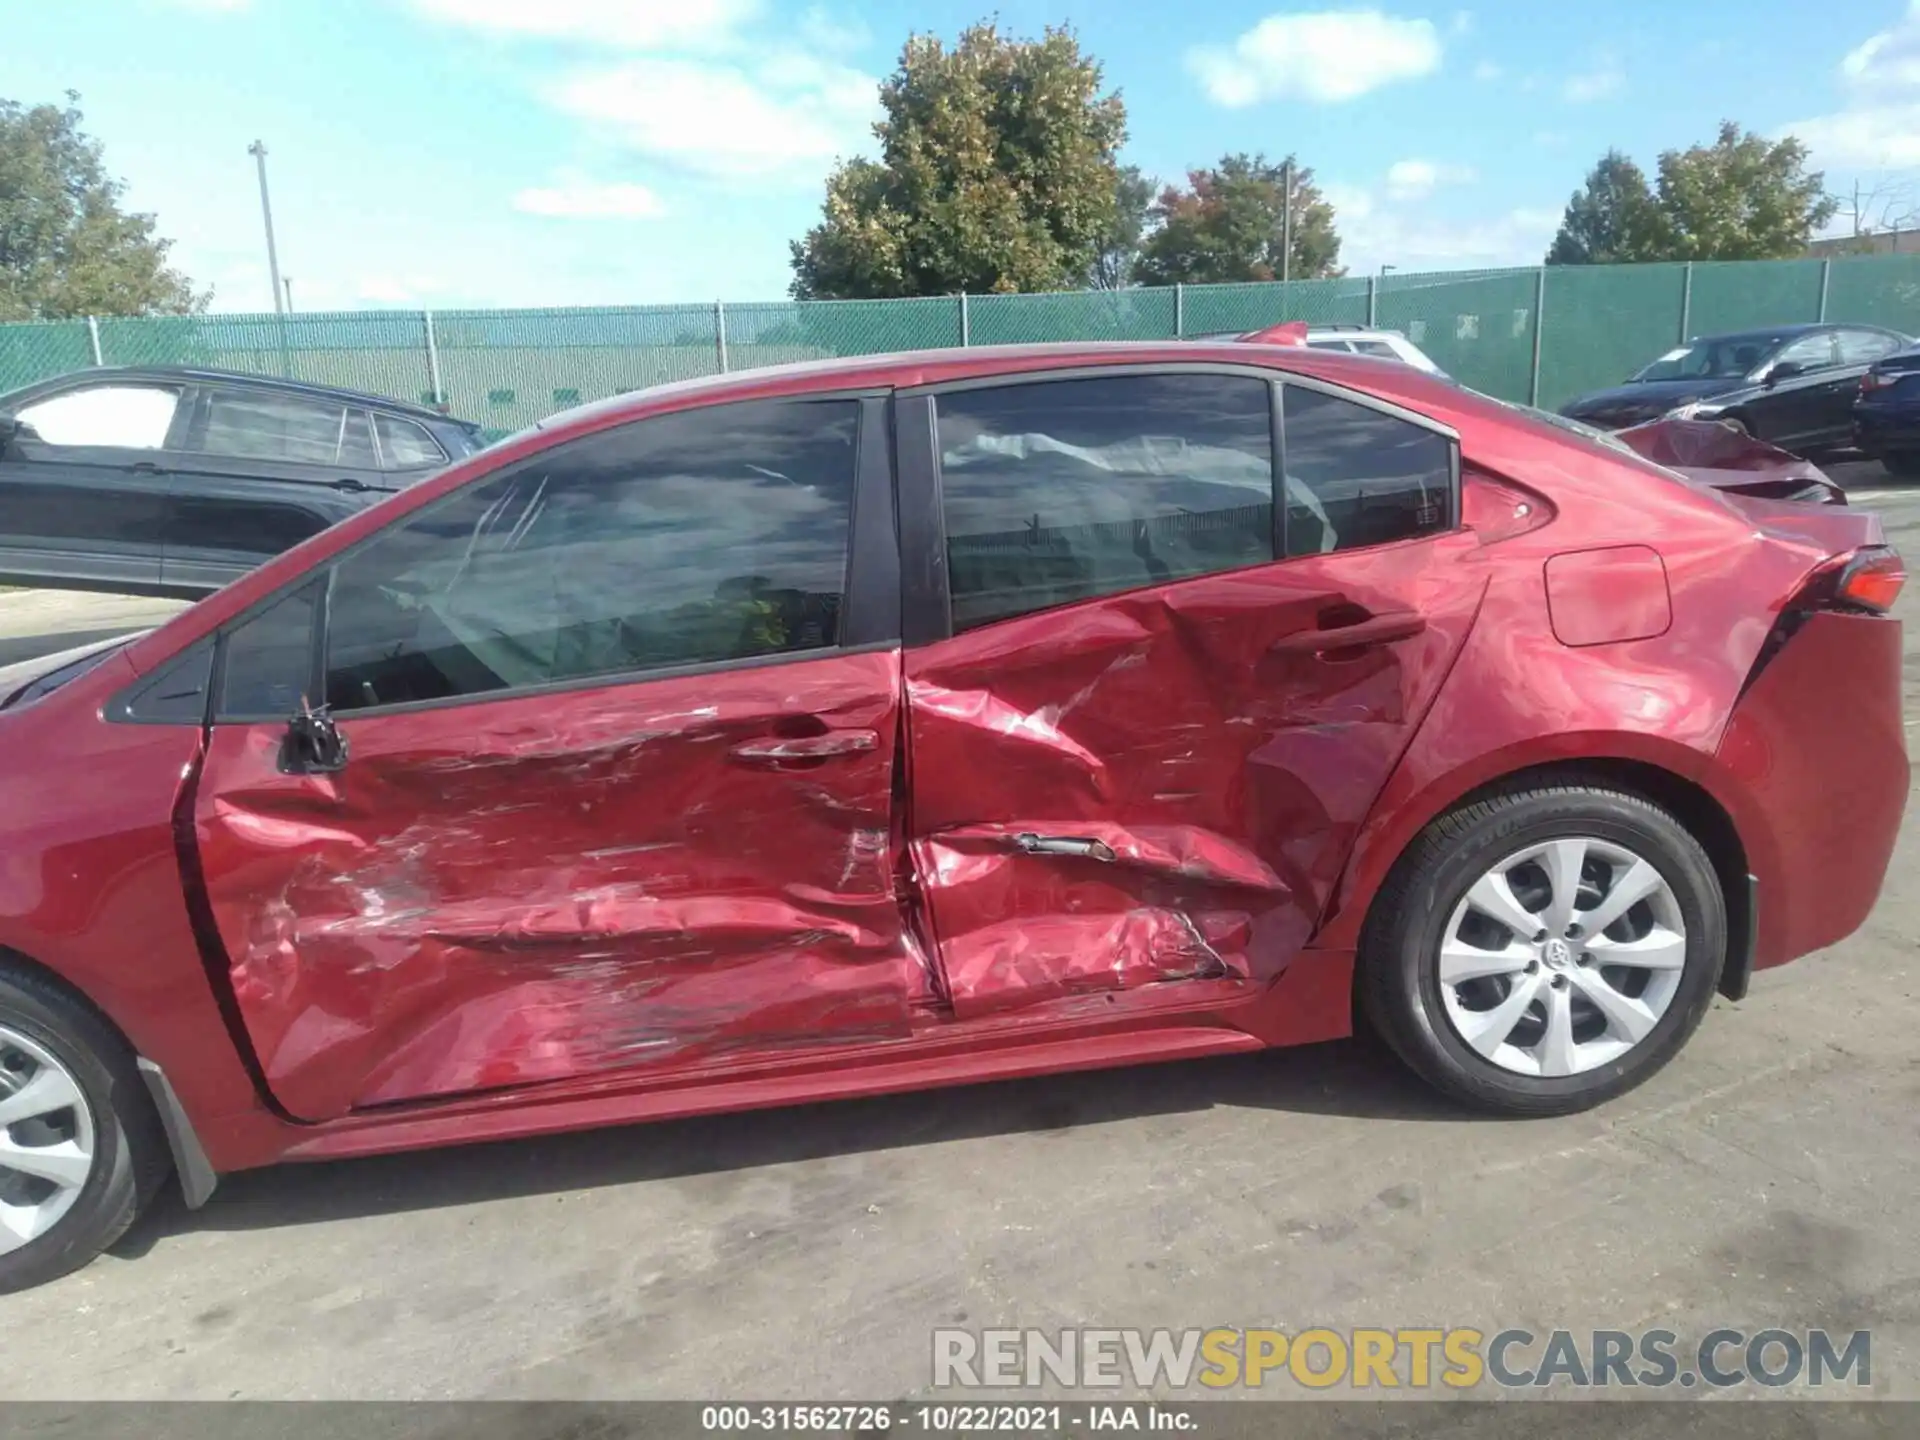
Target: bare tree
<point x="1884" y="204"/>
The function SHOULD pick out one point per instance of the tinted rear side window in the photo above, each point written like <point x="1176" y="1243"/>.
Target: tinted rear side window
<point x="710" y="536"/>
<point x="1062" y="490"/>
<point x="260" y="425"/>
<point x="1356" y="476"/>
<point x="405" y="445"/>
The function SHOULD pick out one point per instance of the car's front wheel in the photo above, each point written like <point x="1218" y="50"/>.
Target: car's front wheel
<point x="1545" y="949"/>
<point x="80" y="1146"/>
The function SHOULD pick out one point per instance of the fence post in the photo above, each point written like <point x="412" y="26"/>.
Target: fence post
<point x="93" y="334"/>
<point x="966" y="321"/>
<point x="1539" y="324"/>
<point x="1686" y="302"/>
<point x="433" y="358"/>
<point x="1179" y="311"/>
<point x="1826" y="274"/>
<point x="1373" y="302"/>
<point x="720" y="333"/>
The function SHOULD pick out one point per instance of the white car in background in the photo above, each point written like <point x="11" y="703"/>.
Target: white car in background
<point x="1355" y="339"/>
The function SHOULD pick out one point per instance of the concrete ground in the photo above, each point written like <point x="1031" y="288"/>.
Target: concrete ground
<point x="1768" y="1177"/>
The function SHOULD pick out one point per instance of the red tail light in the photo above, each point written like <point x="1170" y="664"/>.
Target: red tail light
<point x="1871" y="580"/>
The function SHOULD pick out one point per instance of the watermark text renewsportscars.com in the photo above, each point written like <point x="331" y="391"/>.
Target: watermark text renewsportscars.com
<point x="1400" y="1358"/>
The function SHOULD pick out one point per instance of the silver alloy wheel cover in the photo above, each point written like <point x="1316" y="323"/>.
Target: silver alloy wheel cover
<point x="1550" y="980"/>
<point x="45" y="1091"/>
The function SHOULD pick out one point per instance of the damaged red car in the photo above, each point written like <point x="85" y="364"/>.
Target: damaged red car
<point x="902" y="721"/>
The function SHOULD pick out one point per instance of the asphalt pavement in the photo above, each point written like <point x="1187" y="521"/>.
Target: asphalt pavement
<point x="1767" y="1177"/>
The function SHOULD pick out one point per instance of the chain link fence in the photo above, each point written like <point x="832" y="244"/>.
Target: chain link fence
<point x="1530" y="335"/>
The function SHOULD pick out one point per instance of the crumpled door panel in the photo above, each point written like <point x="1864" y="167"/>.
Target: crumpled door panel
<point x="530" y="889"/>
<point x="1163" y="785"/>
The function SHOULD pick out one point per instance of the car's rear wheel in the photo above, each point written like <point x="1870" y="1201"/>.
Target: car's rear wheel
<point x="1543" y="950"/>
<point x="80" y="1146"/>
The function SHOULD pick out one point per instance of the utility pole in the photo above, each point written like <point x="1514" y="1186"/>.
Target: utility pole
<point x="259" y="152"/>
<point x="286" y="283"/>
<point x="1287" y="219"/>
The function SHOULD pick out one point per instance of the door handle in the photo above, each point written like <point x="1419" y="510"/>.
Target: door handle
<point x="145" y="467"/>
<point x="352" y="487"/>
<point x="809" y="747"/>
<point x="1359" y="634"/>
<point x="1030" y="844"/>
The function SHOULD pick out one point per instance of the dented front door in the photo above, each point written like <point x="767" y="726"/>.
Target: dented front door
<point x="516" y="851"/>
<point x="1118" y="800"/>
<point x="668" y="872"/>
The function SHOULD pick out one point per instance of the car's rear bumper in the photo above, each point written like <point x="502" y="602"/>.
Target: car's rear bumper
<point x="1879" y="434"/>
<point x="1813" y="767"/>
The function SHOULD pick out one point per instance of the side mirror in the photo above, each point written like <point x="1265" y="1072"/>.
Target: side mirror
<point x="1785" y="370"/>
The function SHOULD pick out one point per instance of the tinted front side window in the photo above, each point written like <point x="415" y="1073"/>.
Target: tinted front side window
<point x="1066" y="489"/>
<point x="1356" y="476"/>
<point x="714" y="535"/>
<point x="260" y="425"/>
<point x="1812" y="352"/>
<point x="130" y="417"/>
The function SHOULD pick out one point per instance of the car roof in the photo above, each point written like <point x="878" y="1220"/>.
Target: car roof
<point x="239" y="377"/>
<point x="908" y="369"/>
<point x="1770" y="332"/>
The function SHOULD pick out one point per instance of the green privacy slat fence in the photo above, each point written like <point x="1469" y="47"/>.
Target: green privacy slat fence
<point x="1518" y="334"/>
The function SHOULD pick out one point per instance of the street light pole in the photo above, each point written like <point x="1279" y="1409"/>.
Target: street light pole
<point x="259" y="152"/>
<point x="286" y="283"/>
<point x="1287" y="221"/>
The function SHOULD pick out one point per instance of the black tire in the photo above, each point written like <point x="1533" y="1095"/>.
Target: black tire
<point x="1399" y="960"/>
<point x="131" y="1159"/>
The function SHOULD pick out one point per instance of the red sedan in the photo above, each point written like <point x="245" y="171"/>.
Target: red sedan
<point x="896" y="722"/>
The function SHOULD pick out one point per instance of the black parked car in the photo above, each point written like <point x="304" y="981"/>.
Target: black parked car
<point x="1792" y="385"/>
<point x="174" y="482"/>
<point x="1886" y="413"/>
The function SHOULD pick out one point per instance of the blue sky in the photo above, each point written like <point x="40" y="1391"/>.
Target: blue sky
<point x="553" y="152"/>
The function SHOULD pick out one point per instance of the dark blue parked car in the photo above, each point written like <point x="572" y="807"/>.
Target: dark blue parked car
<point x="1886" y="413"/>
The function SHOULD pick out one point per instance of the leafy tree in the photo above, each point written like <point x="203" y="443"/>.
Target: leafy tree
<point x="1133" y="195"/>
<point x="1227" y="224"/>
<point x="1612" y="219"/>
<point x="66" y="246"/>
<point x="996" y="174"/>
<point x="1744" y="197"/>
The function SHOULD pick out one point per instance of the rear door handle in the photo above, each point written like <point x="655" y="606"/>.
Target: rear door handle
<point x="352" y="487"/>
<point x="145" y="467"/>
<point x="809" y="747"/>
<point x="1359" y="635"/>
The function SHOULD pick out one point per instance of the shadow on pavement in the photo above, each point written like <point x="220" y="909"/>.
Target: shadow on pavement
<point x="1349" y="1078"/>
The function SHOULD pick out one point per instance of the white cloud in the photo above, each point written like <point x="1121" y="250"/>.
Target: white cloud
<point x="1375" y="230"/>
<point x="1327" y="57"/>
<point x="1462" y="22"/>
<point x="824" y="30"/>
<point x="1878" y="126"/>
<point x="575" y="199"/>
<point x="787" y="118"/>
<point x="1595" y="84"/>
<point x="1488" y="70"/>
<point x="1408" y="179"/>
<point x="628" y="24"/>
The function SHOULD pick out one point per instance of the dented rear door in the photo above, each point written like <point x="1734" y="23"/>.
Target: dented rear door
<point x="610" y="777"/>
<point x="1147" y="713"/>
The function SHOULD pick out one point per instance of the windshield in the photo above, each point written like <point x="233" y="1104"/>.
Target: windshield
<point x="1731" y="358"/>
